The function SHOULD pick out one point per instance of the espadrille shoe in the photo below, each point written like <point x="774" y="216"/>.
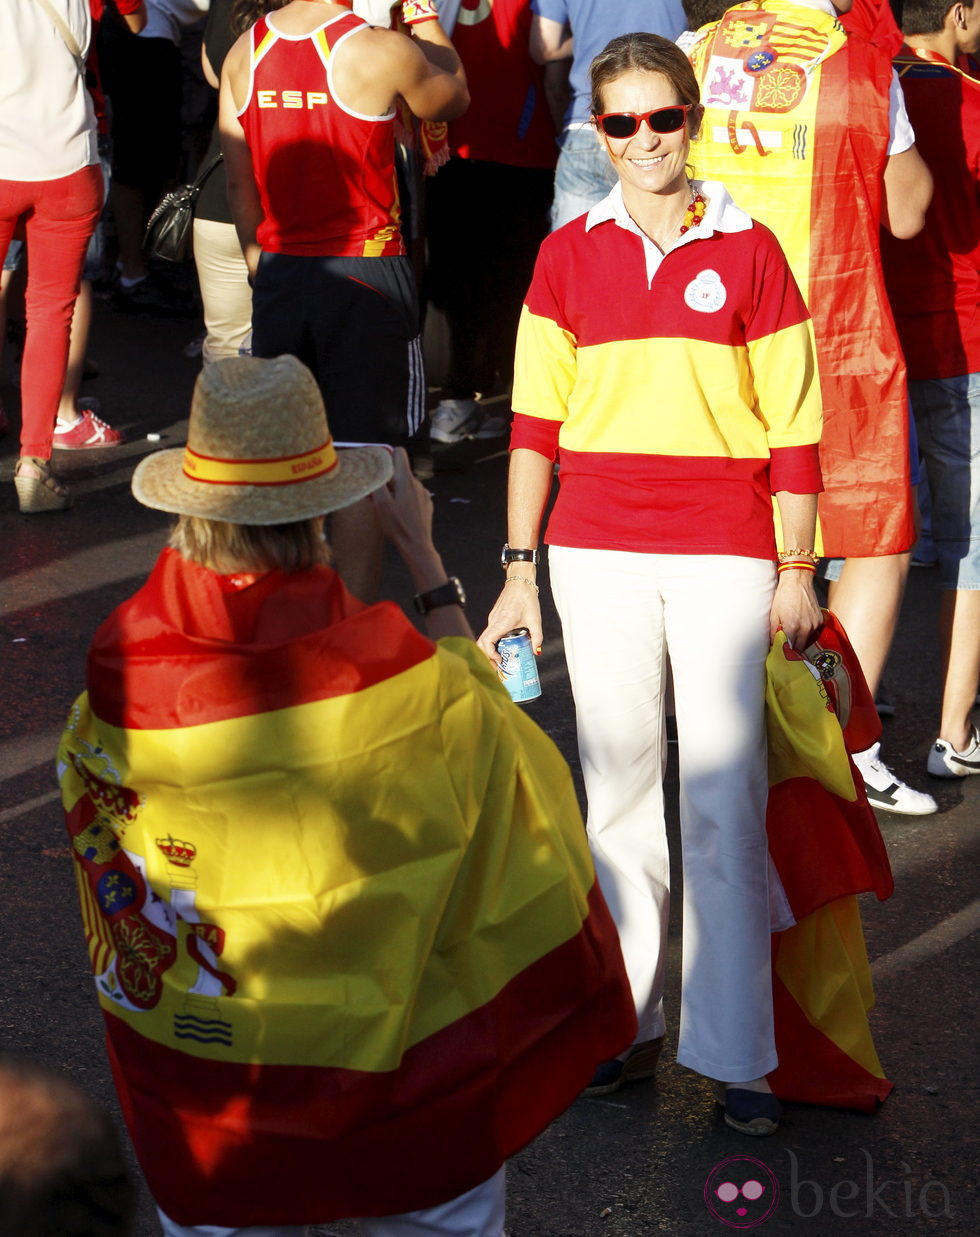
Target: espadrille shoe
<point x="639" y="1062"/>
<point x="757" y="1113"/>
<point x="37" y="487"/>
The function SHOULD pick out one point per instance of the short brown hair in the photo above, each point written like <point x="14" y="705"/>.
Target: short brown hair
<point x="266" y="547"/>
<point x="647" y="53"/>
<point x="703" y="12"/>
<point x="61" y="1167"/>
<point x="927" y="16"/>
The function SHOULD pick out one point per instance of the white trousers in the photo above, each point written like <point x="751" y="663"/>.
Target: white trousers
<point x="477" y="1213"/>
<point x="225" y="294"/>
<point x="621" y="613"/>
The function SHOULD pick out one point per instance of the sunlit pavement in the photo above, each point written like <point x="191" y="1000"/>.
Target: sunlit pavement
<point x="627" y="1165"/>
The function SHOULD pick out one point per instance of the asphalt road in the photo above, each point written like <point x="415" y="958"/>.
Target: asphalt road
<point x="628" y="1165"/>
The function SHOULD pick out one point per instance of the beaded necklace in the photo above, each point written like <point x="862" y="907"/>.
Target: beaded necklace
<point x="694" y="213"/>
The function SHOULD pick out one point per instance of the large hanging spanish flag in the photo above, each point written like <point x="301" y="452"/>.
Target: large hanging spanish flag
<point x="826" y="848"/>
<point x="796" y="125"/>
<point x="343" y="921"/>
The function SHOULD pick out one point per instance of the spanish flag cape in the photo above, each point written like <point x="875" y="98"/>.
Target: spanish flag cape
<point x="344" y="924"/>
<point x="826" y="848"/>
<point x="796" y="125"/>
<point x="874" y="21"/>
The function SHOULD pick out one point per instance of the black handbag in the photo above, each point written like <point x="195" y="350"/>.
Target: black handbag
<point x="168" y="230"/>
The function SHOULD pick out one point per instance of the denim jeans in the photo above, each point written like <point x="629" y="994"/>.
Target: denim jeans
<point x="947" y="416"/>
<point x="583" y="176"/>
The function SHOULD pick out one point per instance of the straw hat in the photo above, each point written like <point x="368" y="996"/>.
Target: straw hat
<point x="258" y="450"/>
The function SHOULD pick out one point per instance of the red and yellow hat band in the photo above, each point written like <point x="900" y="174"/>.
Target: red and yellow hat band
<point x="286" y="470"/>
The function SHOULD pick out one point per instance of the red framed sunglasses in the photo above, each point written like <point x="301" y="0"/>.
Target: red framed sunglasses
<point x="660" y="120"/>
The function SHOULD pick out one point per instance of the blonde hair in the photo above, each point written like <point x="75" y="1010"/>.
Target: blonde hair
<point x="298" y="546"/>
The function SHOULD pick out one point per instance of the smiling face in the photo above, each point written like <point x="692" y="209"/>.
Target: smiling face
<point x="647" y="162"/>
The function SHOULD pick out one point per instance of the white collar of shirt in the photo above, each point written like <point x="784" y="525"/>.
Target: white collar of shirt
<point x="721" y="215"/>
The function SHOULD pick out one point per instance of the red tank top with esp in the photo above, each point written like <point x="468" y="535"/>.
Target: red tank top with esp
<point x="325" y="174"/>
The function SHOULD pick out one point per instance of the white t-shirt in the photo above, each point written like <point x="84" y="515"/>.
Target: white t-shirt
<point x="47" y="121"/>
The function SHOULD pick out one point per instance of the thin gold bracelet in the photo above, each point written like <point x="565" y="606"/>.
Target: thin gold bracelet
<point x="784" y="555"/>
<point x="523" y="580"/>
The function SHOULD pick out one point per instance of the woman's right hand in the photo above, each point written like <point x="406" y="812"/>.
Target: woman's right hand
<point x="517" y="606"/>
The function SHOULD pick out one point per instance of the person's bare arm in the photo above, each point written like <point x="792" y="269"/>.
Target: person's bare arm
<point x="208" y="70"/>
<point x="135" y="21"/>
<point x="420" y="65"/>
<point x="431" y="79"/>
<point x="548" y="40"/>
<point x="908" y="192"/>
<point x="556" y="91"/>
<point x="243" y="192"/>
<point x="550" y="46"/>
<point x="404" y="511"/>
<point x="795" y="608"/>
<point x="436" y="46"/>
<point x="528" y="488"/>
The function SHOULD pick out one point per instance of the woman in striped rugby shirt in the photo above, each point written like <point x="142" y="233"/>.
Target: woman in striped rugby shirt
<point x="665" y="359"/>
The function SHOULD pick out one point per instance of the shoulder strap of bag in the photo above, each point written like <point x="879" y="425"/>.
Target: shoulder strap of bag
<point x="206" y="171"/>
<point x="67" y="37"/>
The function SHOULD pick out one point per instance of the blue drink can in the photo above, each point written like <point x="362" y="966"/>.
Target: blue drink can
<point x="519" y="667"/>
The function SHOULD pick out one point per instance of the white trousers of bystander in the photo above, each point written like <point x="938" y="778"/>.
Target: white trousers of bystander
<point x="225" y="292"/>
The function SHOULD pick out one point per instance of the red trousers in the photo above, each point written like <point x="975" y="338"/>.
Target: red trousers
<point x="59" y="217"/>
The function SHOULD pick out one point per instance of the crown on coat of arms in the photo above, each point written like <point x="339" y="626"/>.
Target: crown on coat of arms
<point x="177" y="852"/>
<point x="120" y="803"/>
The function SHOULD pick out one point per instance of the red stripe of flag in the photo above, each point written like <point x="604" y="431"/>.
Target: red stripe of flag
<point x="153" y="673"/>
<point x="246" y="1144"/>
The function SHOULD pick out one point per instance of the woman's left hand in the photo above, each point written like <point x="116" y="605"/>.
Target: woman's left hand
<point x="795" y="609"/>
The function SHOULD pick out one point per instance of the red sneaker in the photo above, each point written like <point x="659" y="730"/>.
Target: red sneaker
<point x="88" y="431"/>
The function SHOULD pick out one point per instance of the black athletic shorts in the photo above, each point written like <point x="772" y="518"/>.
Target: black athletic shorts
<point x="355" y="323"/>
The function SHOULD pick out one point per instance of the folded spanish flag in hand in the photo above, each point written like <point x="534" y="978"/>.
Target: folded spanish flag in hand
<point x="826" y="848"/>
<point x="343" y="921"/>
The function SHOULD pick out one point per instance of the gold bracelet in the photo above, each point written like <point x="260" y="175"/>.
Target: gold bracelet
<point x="783" y="555"/>
<point x="523" y="580"/>
<point x="796" y="566"/>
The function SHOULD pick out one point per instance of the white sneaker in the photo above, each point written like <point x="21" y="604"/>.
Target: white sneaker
<point x="457" y="419"/>
<point x="945" y="761"/>
<point x="888" y="792"/>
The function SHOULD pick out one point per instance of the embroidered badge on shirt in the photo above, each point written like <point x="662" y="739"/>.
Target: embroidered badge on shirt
<point x="706" y="293"/>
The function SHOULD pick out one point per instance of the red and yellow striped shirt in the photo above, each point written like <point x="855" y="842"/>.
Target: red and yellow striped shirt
<point x="678" y="399"/>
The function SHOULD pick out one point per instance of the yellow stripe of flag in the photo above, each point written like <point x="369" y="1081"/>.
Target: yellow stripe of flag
<point x="823" y="963"/>
<point x="372" y="889"/>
